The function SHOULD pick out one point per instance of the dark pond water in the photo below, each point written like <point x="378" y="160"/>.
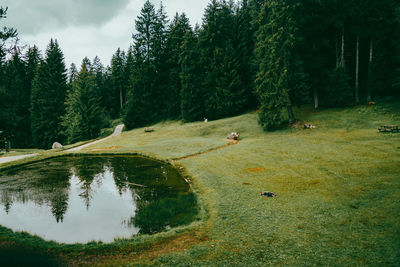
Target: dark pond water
<point x="94" y="198"/>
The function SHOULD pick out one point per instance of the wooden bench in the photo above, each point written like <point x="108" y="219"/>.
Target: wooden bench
<point x="389" y="129"/>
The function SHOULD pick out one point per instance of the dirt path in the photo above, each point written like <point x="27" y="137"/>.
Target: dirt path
<point x="14" y="158"/>
<point x="117" y="131"/>
<point x="205" y="152"/>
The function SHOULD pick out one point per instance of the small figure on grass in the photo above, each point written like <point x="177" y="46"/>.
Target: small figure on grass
<point x="309" y="126"/>
<point x="268" y="194"/>
<point x="233" y="136"/>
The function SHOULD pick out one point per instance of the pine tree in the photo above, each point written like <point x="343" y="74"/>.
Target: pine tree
<point x="21" y="101"/>
<point x="192" y="102"/>
<point x="215" y="43"/>
<point x="102" y="90"/>
<point x="159" y="49"/>
<point x="6" y="33"/>
<point x="6" y="111"/>
<point x="177" y="30"/>
<point x="244" y="60"/>
<point x="13" y="84"/>
<point x="47" y="98"/>
<point x="84" y="117"/>
<point x="32" y="59"/>
<point x="118" y="80"/>
<point x="146" y="95"/>
<point x="72" y="74"/>
<point x="276" y="40"/>
<point x="129" y="71"/>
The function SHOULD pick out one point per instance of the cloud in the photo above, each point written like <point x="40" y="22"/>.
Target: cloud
<point x="87" y="27"/>
<point x="36" y="16"/>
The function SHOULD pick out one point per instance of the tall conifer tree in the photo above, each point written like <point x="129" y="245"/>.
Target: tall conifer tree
<point x="177" y="30"/>
<point x="47" y="98"/>
<point x="84" y="116"/>
<point x="276" y="40"/>
<point x="146" y="100"/>
<point x="118" y="80"/>
<point x="192" y="101"/>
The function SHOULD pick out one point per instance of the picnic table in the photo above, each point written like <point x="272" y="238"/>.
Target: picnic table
<point x="389" y="129"/>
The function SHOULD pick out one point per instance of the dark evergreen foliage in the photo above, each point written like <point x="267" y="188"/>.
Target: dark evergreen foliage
<point x="19" y="90"/>
<point x="48" y="96"/>
<point x="276" y="41"/>
<point x="147" y="92"/>
<point x="6" y="33"/>
<point x="333" y="53"/>
<point x="191" y="95"/>
<point x="84" y="116"/>
<point x="176" y="34"/>
<point x="72" y="74"/>
<point x="118" y="83"/>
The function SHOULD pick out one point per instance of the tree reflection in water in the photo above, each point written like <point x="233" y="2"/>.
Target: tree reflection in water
<point x="161" y="197"/>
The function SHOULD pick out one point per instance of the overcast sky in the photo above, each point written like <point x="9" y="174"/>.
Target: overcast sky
<point x="86" y="27"/>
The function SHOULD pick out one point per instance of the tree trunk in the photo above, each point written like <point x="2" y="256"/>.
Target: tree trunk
<point x="337" y="50"/>
<point x="369" y="78"/>
<point x="315" y="98"/>
<point x="356" y="92"/>
<point x="291" y="115"/>
<point x="342" y="63"/>
<point x="120" y="97"/>
<point x="315" y="90"/>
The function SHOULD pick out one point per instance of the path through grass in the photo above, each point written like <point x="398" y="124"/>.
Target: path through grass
<point x="338" y="189"/>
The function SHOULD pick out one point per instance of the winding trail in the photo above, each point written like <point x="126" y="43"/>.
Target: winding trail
<point x="117" y="131"/>
<point x="205" y="152"/>
<point x="14" y="158"/>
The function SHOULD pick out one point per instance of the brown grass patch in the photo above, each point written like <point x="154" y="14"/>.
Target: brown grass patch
<point x="256" y="170"/>
<point x="178" y="244"/>
<point x="127" y="255"/>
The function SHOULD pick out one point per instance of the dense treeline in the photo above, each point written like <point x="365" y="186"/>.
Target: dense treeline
<point x="270" y="55"/>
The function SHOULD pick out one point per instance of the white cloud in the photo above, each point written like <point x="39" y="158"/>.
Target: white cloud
<point x="35" y="16"/>
<point x="100" y="37"/>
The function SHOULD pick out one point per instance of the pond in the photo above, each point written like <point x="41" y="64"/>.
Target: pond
<point x="78" y="199"/>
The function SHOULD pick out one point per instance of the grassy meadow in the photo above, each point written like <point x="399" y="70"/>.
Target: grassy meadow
<point x="338" y="190"/>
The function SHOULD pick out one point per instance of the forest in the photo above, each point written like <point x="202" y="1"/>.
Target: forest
<point x="264" y="55"/>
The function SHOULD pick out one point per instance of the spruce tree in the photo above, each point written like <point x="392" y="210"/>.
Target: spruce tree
<point x="275" y="42"/>
<point x="6" y="33"/>
<point x="84" y="116"/>
<point x="12" y="84"/>
<point x="72" y="74"/>
<point x="192" y="102"/>
<point x="98" y="70"/>
<point x="245" y="60"/>
<point x="48" y="97"/>
<point x="32" y="59"/>
<point x="216" y="45"/>
<point x="176" y="34"/>
<point x="6" y="111"/>
<point x="20" y="94"/>
<point x="118" y="80"/>
<point x="161" y="57"/>
<point x="146" y="96"/>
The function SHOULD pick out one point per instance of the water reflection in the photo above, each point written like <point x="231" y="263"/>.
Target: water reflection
<point x="80" y="199"/>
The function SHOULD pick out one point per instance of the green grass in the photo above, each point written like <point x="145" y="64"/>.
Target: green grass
<point x="18" y="152"/>
<point x="337" y="185"/>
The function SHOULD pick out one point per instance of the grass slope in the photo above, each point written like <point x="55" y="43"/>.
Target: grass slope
<point x="338" y="191"/>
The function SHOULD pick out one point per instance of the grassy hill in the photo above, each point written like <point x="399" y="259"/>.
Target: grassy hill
<point x="338" y="191"/>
